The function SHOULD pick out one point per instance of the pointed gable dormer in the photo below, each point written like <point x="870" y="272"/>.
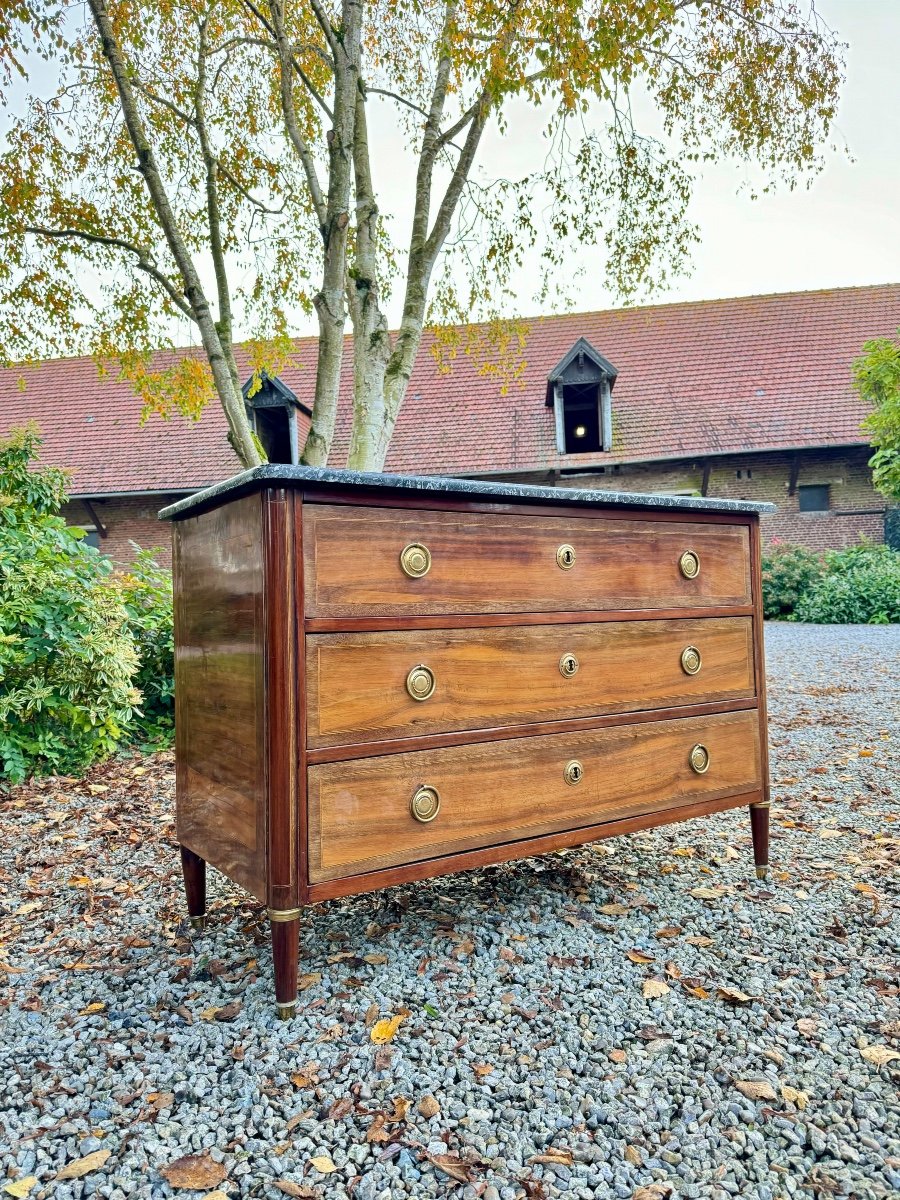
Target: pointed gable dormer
<point x="272" y="411"/>
<point x="579" y="389"/>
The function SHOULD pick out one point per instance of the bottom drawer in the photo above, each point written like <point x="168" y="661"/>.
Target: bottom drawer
<point x="361" y="811"/>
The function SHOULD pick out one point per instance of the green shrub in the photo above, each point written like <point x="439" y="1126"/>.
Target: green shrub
<point x="788" y="572"/>
<point x="146" y="589"/>
<point x="861" y="586"/>
<point x="67" y="656"/>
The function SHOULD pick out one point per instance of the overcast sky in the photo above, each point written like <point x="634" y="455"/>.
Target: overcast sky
<point x="843" y="231"/>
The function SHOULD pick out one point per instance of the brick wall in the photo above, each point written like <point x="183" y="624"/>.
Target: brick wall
<point x="852" y="497"/>
<point x="128" y="521"/>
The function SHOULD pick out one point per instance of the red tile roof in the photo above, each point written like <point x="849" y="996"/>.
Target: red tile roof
<point x="720" y="376"/>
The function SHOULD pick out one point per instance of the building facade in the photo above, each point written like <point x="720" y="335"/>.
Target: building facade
<point x="747" y="398"/>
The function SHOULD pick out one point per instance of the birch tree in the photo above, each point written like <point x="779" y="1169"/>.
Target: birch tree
<point x="253" y="125"/>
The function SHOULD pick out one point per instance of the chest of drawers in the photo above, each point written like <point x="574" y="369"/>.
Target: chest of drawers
<point x="380" y="679"/>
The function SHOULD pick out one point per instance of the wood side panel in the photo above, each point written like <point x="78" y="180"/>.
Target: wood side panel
<point x="371" y="881"/>
<point x="499" y="733"/>
<point x="219" y="689"/>
<point x="759" y="649"/>
<point x="508" y="563"/>
<point x="282" y="716"/>
<point x="356" y="682"/>
<point x="496" y="620"/>
<point x="359" y="812"/>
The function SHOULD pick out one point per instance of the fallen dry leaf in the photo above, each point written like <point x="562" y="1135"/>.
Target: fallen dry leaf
<point x="375" y="960"/>
<point x="756" y="1089"/>
<point x="699" y="940"/>
<point x="428" y="1107"/>
<point x="655" y="1191"/>
<point x="298" y="1190"/>
<point x="306" y="1076"/>
<point x="452" y="1165"/>
<point x="669" y="931"/>
<point x="97" y="1007"/>
<point x="795" y="1096"/>
<point x="879" y="1055"/>
<point x="340" y="1109"/>
<point x="483" y="1069"/>
<point x="653" y="988"/>
<point x="323" y="1164"/>
<point x="384" y="1030"/>
<point x="196" y="1171"/>
<point x="161" y="1100"/>
<point x="705" y="893"/>
<point x="83" y="1166"/>
<point x="639" y="956"/>
<point x="20" y="1187"/>
<point x="308" y="981"/>
<point x="613" y="910"/>
<point x="376" y="1131"/>
<point x="561" y="1156"/>
<point x="733" y="996"/>
<point x="229" y="1011"/>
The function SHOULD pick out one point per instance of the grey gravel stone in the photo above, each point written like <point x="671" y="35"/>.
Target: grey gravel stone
<point x="808" y="944"/>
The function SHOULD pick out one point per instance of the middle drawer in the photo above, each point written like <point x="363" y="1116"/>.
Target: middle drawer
<point x="375" y="686"/>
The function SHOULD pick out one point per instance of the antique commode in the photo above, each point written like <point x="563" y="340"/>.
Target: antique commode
<point x="381" y="679"/>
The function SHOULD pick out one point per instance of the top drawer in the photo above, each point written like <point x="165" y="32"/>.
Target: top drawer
<point x="499" y="562"/>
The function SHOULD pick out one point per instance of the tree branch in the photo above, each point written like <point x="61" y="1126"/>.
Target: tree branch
<point x="274" y="45"/>
<point x="145" y="262"/>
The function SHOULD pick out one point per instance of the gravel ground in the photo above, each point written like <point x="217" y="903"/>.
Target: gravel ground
<point x="527" y="1060"/>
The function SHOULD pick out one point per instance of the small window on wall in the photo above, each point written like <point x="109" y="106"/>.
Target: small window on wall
<point x="813" y="497"/>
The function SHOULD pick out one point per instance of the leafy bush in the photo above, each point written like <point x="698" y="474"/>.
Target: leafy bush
<point x="788" y="572"/>
<point x="146" y="589"/>
<point x="860" y="586"/>
<point x="67" y="656"/>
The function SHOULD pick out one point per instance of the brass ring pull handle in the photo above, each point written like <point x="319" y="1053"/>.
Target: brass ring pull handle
<point x="415" y="560"/>
<point x="568" y="665"/>
<point x="699" y="759"/>
<point x="425" y="804"/>
<point x="420" y="682"/>
<point x="691" y="662"/>
<point x="565" y="556"/>
<point x="574" y="772"/>
<point x="689" y="564"/>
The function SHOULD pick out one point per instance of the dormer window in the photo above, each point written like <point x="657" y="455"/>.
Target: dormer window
<point x="579" y="389"/>
<point x="272" y="411"/>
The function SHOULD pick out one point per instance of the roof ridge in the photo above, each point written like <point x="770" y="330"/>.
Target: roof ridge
<point x="542" y="318"/>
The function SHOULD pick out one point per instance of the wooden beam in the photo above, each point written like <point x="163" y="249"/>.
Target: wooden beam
<point x="794" y="475"/>
<point x="94" y="518"/>
<point x="704" y="486"/>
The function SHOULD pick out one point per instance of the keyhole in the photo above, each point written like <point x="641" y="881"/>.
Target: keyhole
<point x="567" y="557"/>
<point x="576" y="773"/>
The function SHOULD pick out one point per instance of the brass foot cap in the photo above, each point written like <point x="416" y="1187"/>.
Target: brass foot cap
<point x="286" y="1011"/>
<point x="762" y="872"/>
<point x="199" y="923"/>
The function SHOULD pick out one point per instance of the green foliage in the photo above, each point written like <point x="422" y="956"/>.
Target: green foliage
<point x="877" y="377"/>
<point x="861" y="586"/>
<point x="67" y="657"/>
<point x="788" y="572"/>
<point x="146" y="589"/>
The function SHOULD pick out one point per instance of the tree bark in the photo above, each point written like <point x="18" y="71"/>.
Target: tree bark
<point x="332" y="211"/>
<point x="240" y="434"/>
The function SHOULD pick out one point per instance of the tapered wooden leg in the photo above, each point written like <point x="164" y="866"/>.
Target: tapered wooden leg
<point x="759" y="829"/>
<point x="194" y="870"/>
<point x="285" y="955"/>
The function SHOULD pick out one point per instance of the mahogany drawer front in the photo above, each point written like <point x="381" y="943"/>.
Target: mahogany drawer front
<point x="500" y="562"/>
<point x="361" y="686"/>
<point x="360" y="811"/>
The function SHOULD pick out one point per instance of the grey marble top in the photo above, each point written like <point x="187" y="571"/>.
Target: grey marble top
<point x="273" y="474"/>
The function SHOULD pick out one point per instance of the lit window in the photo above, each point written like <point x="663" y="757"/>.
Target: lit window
<point x="579" y="389"/>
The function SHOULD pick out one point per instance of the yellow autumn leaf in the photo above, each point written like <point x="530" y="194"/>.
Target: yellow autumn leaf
<point x="83" y="1166"/>
<point x="654" y="988"/>
<point x="20" y="1187"/>
<point x="323" y="1164"/>
<point x="756" y="1089"/>
<point x="97" y="1007"/>
<point x="879" y="1055"/>
<point x="795" y="1096"/>
<point x="639" y="956"/>
<point x="384" y="1030"/>
<point x="705" y="893"/>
